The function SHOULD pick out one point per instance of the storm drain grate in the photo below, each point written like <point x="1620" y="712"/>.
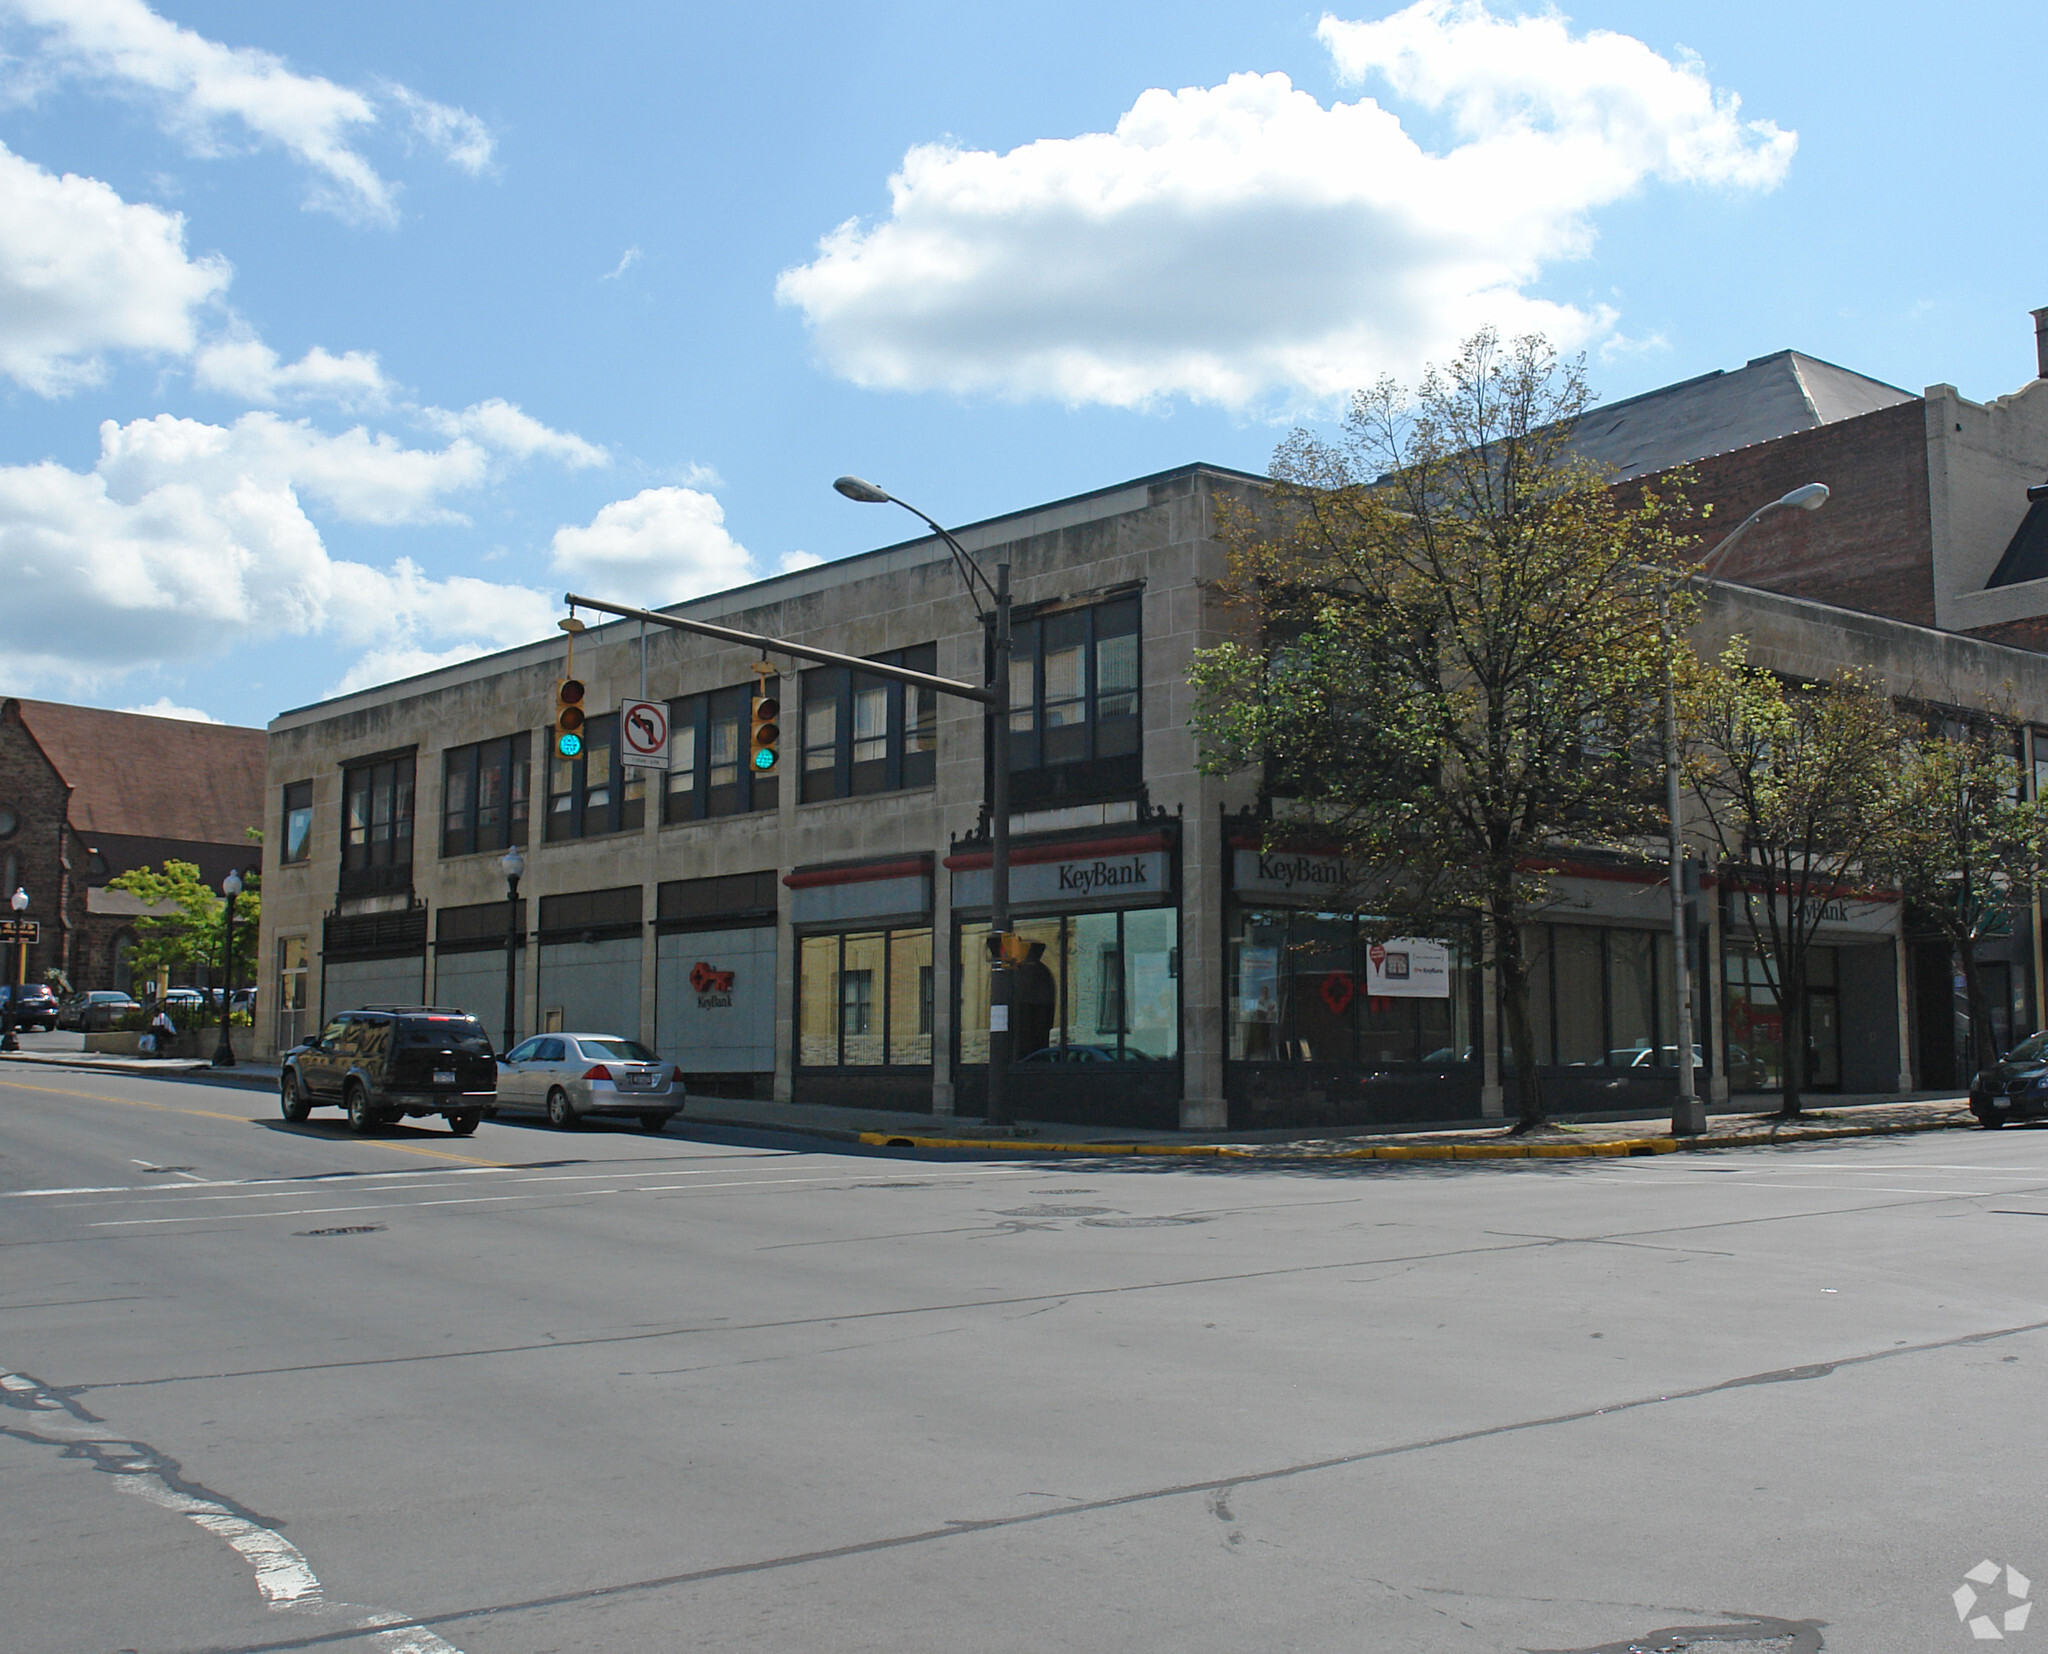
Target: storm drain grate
<point x="159" y="1171"/>
<point x="351" y="1229"/>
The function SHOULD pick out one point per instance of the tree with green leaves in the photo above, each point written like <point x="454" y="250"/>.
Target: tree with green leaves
<point x="1450" y="645"/>
<point x="184" y="926"/>
<point x="1972" y="848"/>
<point x="1798" y="790"/>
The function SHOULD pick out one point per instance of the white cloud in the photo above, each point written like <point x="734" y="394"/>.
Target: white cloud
<point x="456" y="133"/>
<point x="83" y="272"/>
<point x="187" y="539"/>
<point x="242" y="365"/>
<point x="661" y="546"/>
<point x="505" y="428"/>
<point x="1227" y="243"/>
<point x="792" y="561"/>
<point x="164" y="707"/>
<point x="627" y="259"/>
<point x="197" y="85"/>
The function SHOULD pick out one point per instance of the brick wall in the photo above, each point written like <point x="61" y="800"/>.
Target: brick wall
<point x="31" y="787"/>
<point x="1869" y="548"/>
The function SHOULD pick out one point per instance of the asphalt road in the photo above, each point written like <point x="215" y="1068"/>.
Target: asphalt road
<point x="272" y="1387"/>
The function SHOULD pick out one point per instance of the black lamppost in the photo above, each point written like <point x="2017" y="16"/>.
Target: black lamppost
<point x="514" y="864"/>
<point x="997" y="716"/>
<point x="19" y="902"/>
<point x="230" y="887"/>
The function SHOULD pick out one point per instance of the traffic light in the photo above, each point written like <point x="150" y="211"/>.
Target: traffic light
<point x="569" y="717"/>
<point x="767" y="734"/>
<point x="1008" y="947"/>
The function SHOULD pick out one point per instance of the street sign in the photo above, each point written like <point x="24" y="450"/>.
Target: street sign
<point x="13" y="932"/>
<point x="643" y="735"/>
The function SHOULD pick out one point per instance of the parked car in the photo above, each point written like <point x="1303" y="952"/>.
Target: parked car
<point x="1087" y="1053"/>
<point x="30" y="1005"/>
<point x="2013" y="1088"/>
<point x="242" y="1002"/>
<point x="391" y="1062"/>
<point x="93" y="1011"/>
<point x="184" y="1004"/>
<point x="568" y="1077"/>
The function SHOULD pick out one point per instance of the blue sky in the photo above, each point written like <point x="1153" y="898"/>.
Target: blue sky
<point x="335" y="342"/>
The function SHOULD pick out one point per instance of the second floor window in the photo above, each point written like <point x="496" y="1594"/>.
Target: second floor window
<point x="298" y="822"/>
<point x="589" y="794"/>
<point x="376" y="827"/>
<point x="709" y="737"/>
<point x="861" y="734"/>
<point x="483" y="795"/>
<point x="1074" y="687"/>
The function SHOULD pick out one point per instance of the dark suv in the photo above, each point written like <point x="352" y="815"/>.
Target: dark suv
<point x="33" y="1005"/>
<point x="387" y="1062"/>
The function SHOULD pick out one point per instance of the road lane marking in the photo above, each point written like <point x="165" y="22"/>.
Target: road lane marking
<point x="284" y="1577"/>
<point x="242" y="1120"/>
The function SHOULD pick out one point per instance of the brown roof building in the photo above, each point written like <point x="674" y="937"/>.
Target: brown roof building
<point x="86" y="795"/>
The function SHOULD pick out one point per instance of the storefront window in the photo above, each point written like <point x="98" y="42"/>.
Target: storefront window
<point x="1297" y="994"/>
<point x="291" y="991"/>
<point x="1097" y="987"/>
<point x="1756" y="1021"/>
<point x="864" y="1000"/>
<point x="1598" y="996"/>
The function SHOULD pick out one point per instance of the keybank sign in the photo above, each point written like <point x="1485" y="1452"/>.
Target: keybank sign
<point x="1086" y="878"/>
<point x="1129" y="879"/>
<point x="1288" y="873"/>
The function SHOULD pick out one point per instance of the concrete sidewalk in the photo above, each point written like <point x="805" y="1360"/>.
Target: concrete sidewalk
<point x="1744" y="1122"/>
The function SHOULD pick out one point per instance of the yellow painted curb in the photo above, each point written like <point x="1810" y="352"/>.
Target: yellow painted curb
<point x="1609" y="1148"/>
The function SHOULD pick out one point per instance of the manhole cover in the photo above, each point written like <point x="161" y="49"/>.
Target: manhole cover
<point x="159" y="1171"/>
<point x="1756" y="1635"/>
<point x="1141" y="1223"/>
<point x="351" y="1229"/>
<point x="892" y="1185"/>
<point x="1063" y="1191"/>
<point x="1056" y="1212"/>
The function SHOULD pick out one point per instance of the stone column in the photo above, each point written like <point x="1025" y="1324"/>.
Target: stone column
<point x="1905" y="979"/>
<point x="1202" y="1107"/>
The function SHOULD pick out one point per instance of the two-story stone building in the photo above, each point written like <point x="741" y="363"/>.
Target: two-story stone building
<point x="818" y="936"/>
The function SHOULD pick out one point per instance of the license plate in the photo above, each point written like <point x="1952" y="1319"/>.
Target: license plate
<point x="636" y="1082"/>
<point x="444" y="1076"/>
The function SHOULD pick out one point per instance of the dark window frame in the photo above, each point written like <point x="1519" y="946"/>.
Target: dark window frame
<point x="464" y="831"/>
<point x="570" y="814"/>
<point x="832" y="768"/>
<point x="688" y="792"/>
<point x="376" y="855"/>
<point x="879" y="1004"/>
<point x="297" y="800"/>
<point x="1097" y="624"/>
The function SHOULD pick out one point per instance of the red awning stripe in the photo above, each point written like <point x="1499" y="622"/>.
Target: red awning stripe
<point x="917" y="867"/>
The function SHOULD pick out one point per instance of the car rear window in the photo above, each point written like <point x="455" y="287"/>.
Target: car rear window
<point x="625" y="1050"/>
<point x="445" y="1033"/>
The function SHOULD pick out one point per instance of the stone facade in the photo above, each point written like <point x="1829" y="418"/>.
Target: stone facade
<point x="827" y="951"/>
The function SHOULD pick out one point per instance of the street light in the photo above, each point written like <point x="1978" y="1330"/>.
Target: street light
<point x="230" y="887"/>
<point x="997" y="795"/>
<point x="513" y="864"/>
<point x="1688" y="1113"/>
<point x="19" y="902"/>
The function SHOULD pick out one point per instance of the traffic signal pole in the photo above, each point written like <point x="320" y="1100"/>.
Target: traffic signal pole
<point x="993" y="697"/>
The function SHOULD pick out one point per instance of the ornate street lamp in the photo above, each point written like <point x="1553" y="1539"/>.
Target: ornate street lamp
<point x="19" y="902"/>
<point x="513" y="864"/>
<point x="230" y="887"/>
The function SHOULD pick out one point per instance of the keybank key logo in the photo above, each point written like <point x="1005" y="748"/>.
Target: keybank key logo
<point x="1984" y="1627"/>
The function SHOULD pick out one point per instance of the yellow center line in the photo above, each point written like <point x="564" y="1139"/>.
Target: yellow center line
<point x="245" y="1120"/>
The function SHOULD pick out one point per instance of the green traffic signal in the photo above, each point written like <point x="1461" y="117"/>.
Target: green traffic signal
<point x="568" y="743"/>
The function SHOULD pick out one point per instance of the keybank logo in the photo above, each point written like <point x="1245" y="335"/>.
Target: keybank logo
<point x="1984" y="1627"/>
<point x="1087" y="877"/>
<point x="1309" y="870"/>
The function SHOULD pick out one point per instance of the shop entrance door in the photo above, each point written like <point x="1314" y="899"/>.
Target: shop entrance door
<point x="1823" y="1039"/>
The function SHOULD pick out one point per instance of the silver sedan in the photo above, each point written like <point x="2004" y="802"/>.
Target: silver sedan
<point x="569" y="1076"/>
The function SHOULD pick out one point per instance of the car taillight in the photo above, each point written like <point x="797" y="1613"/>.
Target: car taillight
<point x="600" y="1072"/>
<point x="677" y="1076"/>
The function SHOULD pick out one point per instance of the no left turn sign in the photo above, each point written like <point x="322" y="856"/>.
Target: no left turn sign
<point x="643" y="735"/>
